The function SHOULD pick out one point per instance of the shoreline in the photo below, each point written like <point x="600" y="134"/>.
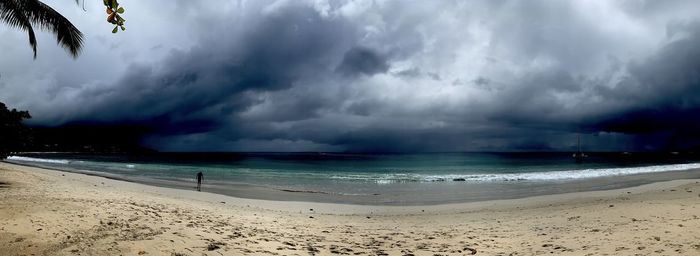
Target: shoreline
<point x="345" y="208"/>
<point x="476" y="193"/>
<point x="46" y="212"/>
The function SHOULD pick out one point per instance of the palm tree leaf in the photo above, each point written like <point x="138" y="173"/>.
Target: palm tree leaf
<point x="12" y="13"/>
<point x="67" y="35"/>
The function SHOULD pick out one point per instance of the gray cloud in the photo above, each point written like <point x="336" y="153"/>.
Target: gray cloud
<point x="379" y="76"/>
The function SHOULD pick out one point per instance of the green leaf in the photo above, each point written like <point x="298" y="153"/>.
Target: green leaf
<point x="120" y="10"/>
<point x="123" y="28"/>
<point x="114" y="4"/>
<point x="115" y="30"/>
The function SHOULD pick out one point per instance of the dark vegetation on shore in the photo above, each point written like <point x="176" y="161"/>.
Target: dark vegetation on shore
<point x="14" y="135"/>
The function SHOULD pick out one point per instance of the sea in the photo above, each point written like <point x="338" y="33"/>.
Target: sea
<point x="380" y="179"/>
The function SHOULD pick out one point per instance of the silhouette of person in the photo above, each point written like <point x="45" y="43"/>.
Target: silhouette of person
<point x="199" y="181"/>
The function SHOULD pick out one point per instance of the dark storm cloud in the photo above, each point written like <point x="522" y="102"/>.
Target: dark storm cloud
<point x="198" y="89"/>
<point x="658" y="98"/>
<point x="387" y="76"/>
<point x="662" y="92"/>
<point x="533" y="101"/>
<point x="361" y="60"/>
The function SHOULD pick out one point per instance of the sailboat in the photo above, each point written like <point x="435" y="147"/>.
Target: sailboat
<point x="579" y="155"/>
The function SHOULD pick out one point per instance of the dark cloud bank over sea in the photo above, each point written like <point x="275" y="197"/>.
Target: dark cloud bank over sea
<point x="393" y="76"/>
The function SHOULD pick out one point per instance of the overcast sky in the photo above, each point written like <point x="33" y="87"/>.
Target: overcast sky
<point x="325" y="75"/>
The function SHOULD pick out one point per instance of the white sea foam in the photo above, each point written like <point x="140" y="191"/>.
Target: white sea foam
<point x="38" y="160"/>
<point x="582" y="174"/>
<point x="523" y="176"/>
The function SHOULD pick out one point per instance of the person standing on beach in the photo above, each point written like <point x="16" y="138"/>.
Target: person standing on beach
<point x="199" y="181"/>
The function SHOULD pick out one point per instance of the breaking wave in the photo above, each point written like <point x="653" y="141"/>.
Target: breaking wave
<point x="38" y="160"/>
<point x="522" y="176"/>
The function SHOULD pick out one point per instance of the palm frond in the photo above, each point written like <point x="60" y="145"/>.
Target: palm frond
<point x="12" y="13"/>
<point x="67" y="35"/>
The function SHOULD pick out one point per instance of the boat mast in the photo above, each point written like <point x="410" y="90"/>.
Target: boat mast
<point x="578" y="137"/>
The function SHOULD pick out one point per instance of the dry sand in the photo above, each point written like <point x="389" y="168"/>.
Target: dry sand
<point x="46" y="212"/>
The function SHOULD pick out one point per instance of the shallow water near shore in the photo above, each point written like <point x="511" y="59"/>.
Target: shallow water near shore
<point x="381" y="179"/>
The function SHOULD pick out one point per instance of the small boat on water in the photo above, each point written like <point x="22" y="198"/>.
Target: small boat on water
<point x="579" y="155"/>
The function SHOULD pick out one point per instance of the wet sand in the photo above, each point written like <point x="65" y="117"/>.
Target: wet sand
<point x="48" y="212"/>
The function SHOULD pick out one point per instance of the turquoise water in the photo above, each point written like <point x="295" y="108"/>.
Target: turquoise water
<point x="372" y="174"/>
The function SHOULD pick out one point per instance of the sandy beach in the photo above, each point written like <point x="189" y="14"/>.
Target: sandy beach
<point x="48" y="212"/>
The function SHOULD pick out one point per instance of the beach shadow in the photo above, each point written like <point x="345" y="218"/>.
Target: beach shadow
<point x="4" y="185"/>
